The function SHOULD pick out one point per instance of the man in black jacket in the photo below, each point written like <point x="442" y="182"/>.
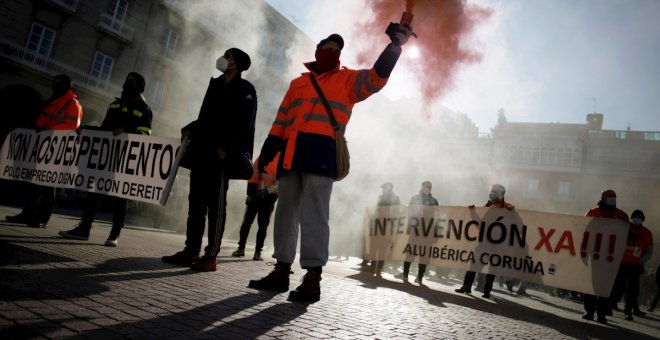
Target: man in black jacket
<point x="127" y="114"/>
<point x="221" y="143"/>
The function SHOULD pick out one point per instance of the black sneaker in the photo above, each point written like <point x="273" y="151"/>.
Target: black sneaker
<point x="277" y="280"/>
<point x="75" y="234"/>
<point x="182" y="258"/>
<point x="309" y="290"/>
<point x="20" y="218"/>
<point x="257" y="257"/>
<point x="240" y="252"/>
<point x="638" y="312"/>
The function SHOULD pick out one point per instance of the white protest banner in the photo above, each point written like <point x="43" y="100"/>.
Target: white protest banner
<point x="131" y="166"/>
<point x="572" y="252"/>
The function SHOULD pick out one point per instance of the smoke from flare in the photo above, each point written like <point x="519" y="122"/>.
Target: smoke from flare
<point x="441" y="27"/>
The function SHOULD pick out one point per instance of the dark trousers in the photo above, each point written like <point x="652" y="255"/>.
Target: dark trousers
<point x="262" y="207"/>
<point x="597" y="304"/>
<point x="421" y="268"/>
<point x="39" y="203"/>
<point x="91" y="208"/>
<point x="627" y="282"/>
<point x="208" y="196"/>
<point x="469" y="280"/>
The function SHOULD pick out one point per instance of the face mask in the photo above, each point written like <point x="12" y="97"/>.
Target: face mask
<point x="326" y="60"/>
<point x="611" y="201"/>
<point x="129" y="90"/>
<point x="222" y="64"/>
<point x="637" y="221"/>
<point x="492" y="196"/>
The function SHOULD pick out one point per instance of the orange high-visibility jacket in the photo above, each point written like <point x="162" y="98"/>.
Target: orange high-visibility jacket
<point x="63" y="113"/>
<point x="267" y="180"/>
<point x="302" y="121"/>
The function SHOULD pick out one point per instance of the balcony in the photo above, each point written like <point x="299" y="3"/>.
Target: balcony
<point x="68" y="5"/>
<point x="116" y="27"/>
<point x="46" y="65"/>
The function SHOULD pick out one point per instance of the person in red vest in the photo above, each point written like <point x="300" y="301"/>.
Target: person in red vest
<point x="261" y="198"/>
<point x="639" y="249"/>
<point x="304" y="133"/>
<point x="601" y="305"/>
<point x="62" y="111"/>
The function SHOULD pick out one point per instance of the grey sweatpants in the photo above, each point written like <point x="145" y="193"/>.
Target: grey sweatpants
<point x="304" y="204"/>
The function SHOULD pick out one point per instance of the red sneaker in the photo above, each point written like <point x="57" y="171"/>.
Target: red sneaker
<point x="204" y="264"/>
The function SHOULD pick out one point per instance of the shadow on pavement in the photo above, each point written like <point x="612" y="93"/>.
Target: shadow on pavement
<point x="61" y="281"/>
<point x="573" y="328"/>
<point x="231" y="318"/>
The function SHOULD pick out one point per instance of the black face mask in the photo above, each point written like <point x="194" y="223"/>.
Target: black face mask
<point x="129" y="91"/>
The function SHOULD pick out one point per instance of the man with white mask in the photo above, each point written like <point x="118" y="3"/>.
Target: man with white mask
<point x="220" y="149"/>
<point x="495" y="199"/>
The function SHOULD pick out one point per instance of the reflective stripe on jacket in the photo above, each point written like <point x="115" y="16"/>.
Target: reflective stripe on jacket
<point x="132" y="115"/>
<point x="266" y="180"/>
<point x="303" y="123"/>
<point x="63" y="113"/>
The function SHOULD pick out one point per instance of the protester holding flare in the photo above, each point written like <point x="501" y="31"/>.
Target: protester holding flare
<point x="303" y="133"/>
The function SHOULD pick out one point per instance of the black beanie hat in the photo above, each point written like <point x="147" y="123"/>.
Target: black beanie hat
<point x="333" y="37"/>
<point x="139" y="81"/>
<point x="64" y="79"/>
<point x="638" y="213"/>
<point x="241" y="59"/>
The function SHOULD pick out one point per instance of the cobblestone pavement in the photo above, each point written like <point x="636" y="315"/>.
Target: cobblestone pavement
<point x="51" y="287"/>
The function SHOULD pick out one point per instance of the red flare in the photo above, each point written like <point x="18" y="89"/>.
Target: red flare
<point x="442" y="27"/>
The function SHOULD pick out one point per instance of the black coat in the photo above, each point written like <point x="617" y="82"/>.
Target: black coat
<point x="226" y="121"/>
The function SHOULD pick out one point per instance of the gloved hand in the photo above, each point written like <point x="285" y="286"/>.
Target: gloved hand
<point x="398" y="34"/>
<point x="261" y="167"/>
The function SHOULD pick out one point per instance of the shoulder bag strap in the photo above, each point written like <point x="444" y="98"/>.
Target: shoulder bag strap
<point x="333" y="120"/>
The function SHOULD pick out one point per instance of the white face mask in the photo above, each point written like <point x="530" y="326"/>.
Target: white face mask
<point x="611" y="201"/>
<point x="637" y="221"/>
<point x="221" y="64"/>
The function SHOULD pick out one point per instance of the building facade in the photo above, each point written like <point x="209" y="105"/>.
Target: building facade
<point x="173" y="43"/>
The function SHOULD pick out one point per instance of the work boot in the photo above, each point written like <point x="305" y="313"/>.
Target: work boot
<point x="463" y="290"/>
<point x="277" y="280"/>
<point x="240" y="252"/>
<point x="257" y="256"/>
<point x="182" y="258"/>
<point x="204" y="264"/>
<point x="309" y="290"/>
